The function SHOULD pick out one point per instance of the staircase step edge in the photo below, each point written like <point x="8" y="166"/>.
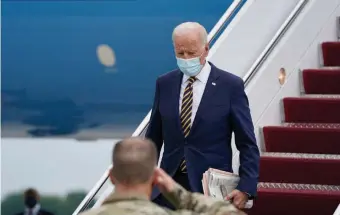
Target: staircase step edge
<point x="321" y="96"/>
<point x="314" y="96"/>
<point x="306" y="125"/>
<point x="292" y="186"/>
<point x="301" y="155"/>
<point x="333" y="69"/>
<point x="330" y="67"/>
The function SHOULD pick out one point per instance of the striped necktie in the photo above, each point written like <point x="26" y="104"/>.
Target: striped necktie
<point x="186" y="110"/>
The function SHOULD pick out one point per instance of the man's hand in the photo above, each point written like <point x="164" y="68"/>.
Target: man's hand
<point x="238" y="198"/>
<point x="164" y="182"/>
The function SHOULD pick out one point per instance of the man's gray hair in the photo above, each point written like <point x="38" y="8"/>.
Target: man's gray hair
<point x="189" y="27"/>
<point x="134" y="160"/>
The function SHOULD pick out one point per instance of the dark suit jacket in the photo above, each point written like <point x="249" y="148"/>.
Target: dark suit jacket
<point x="223" y="109"/>
<point x="41" y="212"/>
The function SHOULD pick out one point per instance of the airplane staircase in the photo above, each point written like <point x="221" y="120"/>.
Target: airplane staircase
<point x="300" y="165"/>
<point x="300" y="170"/>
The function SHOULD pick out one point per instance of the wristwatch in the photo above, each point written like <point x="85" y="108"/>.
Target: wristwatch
<point x="250" y="197"/>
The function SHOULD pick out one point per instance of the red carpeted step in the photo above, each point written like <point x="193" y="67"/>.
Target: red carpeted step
<point x="295" y="199"/>
<point x="312" y="109"/>
<point x="303" y="138"/>
<point x="331" y="53"/>
<point x="321" y="81"/>
<point x="300" y="168"/>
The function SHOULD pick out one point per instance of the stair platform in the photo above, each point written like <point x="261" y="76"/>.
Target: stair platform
<point x="323" y="138"/>
<point x="300" y="168"/>
<point x="314" y="79"/>
<point x="312" y="109"/>
<point x="331" y="53"/>
<point x="295" y="199"/>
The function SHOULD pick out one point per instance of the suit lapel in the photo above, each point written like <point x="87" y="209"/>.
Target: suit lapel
<point x="176" y="96"/>
<point x="209" y="91"/>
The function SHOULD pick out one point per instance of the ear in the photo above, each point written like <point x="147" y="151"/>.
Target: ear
<point x="111" y="177"/>
<point x="206" y="49"/>
<point x="154" y="177"/>
<point x="204" y="54"/>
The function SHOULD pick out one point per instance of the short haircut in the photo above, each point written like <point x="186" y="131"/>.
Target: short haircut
<point x="191" y="26"/>
<point x="30" y="192"/>
<point x="133" y="161"/>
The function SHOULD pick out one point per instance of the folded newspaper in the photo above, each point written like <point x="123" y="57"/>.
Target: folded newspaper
<point x="219" y="184"/>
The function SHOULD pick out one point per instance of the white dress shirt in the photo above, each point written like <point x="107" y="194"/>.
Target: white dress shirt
<point x="198" y="89"/>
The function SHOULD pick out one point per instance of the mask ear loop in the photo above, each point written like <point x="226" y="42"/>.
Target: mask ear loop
<point x="200" y="61"/>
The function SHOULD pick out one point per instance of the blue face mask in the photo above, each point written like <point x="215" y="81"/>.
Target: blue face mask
<point x="189" y="67"/>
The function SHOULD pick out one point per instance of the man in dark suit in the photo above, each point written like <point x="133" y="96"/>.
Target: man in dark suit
<point x="32" y="204"/>
<point x="196" y="108"/>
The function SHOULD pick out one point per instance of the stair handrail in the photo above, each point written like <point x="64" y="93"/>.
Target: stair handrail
<point x="226" y="17"/>
<point x="274" y="41"/>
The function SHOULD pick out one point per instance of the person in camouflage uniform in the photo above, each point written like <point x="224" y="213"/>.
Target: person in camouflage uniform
<point x="135" y="172"/>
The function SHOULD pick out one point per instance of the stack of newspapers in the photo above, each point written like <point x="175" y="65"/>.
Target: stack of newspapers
<point x="219" y="184"/>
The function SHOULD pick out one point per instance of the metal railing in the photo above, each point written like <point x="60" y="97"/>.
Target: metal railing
<point x="247" y="78"/>
<point x="226" y="17"/>
<point x="273" y="42"/>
